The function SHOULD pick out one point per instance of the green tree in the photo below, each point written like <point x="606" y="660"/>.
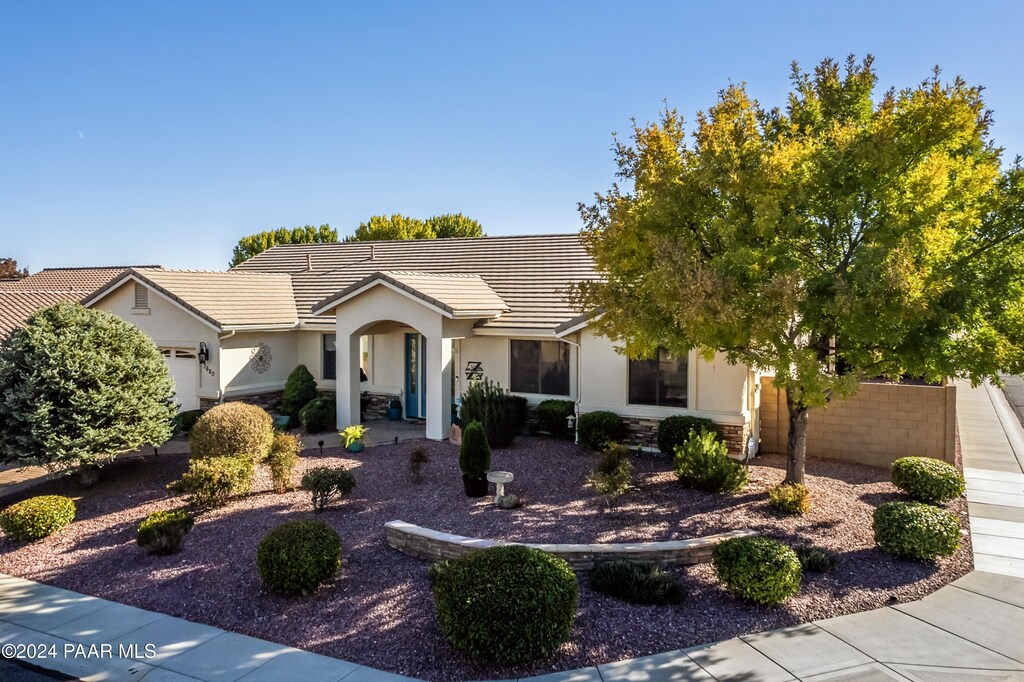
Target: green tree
<point x="261" y="241"/>
<point x="454" y="225"/>
<point x="400" y="227"/>
<point x="79" y="386"/>
<point x="837" y="238"/>
<point x="9" y="269"/>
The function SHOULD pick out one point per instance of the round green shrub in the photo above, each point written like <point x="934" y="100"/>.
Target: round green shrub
<point x="319" y="415"/>
<point x="232" y="429"/>
<point x="298" y="556"/>
<point x="915" y="530"/>
<point x="927" y="479"/>
<point x="299" y="389"/>
<point x="790" y="498"/>
<point x="326" y="483"/>
<point x="636" y="582"/>
<point x="596" y="429"/>
<point x="37" y="517"/>
<point x="757" y="569"/>
<point x="673" y="431"/>
<point x="505" y="604"/>
<point x="162" y="532"/>
<point x="553" y="416"/>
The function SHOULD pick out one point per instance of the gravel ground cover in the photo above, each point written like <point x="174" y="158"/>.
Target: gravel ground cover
<point x="380" y="613"/>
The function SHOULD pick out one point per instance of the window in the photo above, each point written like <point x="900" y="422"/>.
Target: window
<point x="539" y="367"/>
<point x="141" y="296"/>
<point x="330" y="353"/>
<point x="658" y="381"/>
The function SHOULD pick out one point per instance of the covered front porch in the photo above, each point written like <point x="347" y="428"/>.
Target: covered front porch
<point x="420" y="315"/>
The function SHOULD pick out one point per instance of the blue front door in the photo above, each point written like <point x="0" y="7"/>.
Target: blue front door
<point x="415" y="388"/>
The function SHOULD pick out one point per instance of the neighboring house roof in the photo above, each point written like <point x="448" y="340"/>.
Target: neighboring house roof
<point x="529" y="274"/>
<point x="16" y="306"/>
<point x="19" y="298"/>
<point x="457" y="295"/>
<point x="223" y="299"/>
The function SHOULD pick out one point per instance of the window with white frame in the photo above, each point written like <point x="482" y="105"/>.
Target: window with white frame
<point x="659" y="381"/>
<point x="539" y="367"/>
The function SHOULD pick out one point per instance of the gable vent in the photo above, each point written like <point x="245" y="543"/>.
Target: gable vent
<point x="141" y="296"/>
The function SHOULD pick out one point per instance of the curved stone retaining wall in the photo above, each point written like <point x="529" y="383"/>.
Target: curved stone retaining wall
<point x="425" y="543"/>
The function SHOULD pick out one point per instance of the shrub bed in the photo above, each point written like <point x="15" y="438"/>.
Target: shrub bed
<point x="915" y="530"/>
<point x="595" y="429"/>
<point x="673" y="431"/>
<point x="757" y="569"/>
<point x="37" y="517"/>
<point x="232" y="429"/>
<point x="319" y="415"/>
<point x="505" y="604"/>
<point x="298" y="556"/>
<point x="213" y="481"/>
<point x="162" y="532"/>
<point x="326" y="483"/>
<point x="701" y="463"/>
<point x="636" y="582"/>
<point x="928" y="480"/>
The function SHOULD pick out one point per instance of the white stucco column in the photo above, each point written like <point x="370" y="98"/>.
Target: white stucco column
<point x="439" y="386"/>
<point x="347" y="372"/>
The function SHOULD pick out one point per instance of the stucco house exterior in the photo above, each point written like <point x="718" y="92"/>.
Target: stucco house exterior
<point x="418" y="320"/>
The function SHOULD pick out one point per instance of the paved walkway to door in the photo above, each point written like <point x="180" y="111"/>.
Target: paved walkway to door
<point x="969" y="631"/>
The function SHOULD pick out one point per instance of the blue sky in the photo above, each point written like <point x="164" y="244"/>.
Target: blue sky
<point x="162" y="132"/>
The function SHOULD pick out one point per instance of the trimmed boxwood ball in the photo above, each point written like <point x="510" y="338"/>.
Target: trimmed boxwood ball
<point x="298" y="556"/>
<point x="37" y="517"/>
<point x="162" y="532"/>
<point x="915" y="530"/>
<point x="674" y="431"/>
<point x="596" y="429"/>
<point x="927" y="479"/>
<point x="319" y="415"/>
<point x="232" y="429"/>
<point x="757" y="569"/>
<point x="505" y="604"/>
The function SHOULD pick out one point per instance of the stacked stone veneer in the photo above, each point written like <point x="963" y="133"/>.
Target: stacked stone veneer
<point x="375" y="405"/>
<point x="425" y="543"/>
<point x="644" y="432"/>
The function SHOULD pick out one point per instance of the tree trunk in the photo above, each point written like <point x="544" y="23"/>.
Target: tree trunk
<point x="796" y="446"/>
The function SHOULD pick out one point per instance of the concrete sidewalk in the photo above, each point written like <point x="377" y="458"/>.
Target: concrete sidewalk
<point x="968" y="631"/>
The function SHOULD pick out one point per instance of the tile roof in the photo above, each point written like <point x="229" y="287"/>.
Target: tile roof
<point x="529" y="274"/>
<point x="224" y="299"/>
<point x="456" y="294"/>
<point x="16" y="306"/>
<point x="19" y="298"/>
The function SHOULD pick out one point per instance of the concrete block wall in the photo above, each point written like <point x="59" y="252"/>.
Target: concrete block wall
<point x="879" y="424"/>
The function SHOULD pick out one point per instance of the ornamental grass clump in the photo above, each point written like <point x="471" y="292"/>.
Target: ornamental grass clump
<point x="758" y="569"/>
<point x="636" y="582"/>
<point x="232" y="429"/>
<point x="37" y="517"/>
<point x="702" y="463"/>
<point x="327" y="483"/>
<point x="213" y="481"/>
<point x="282" y="460"/>
<point x="816" y="559"/>
<point x="162" y="532"/>
<point x="927" y="479"/>
<point x="507" y="604"/>
<point x="297" y="557"/>
<point x="914" y="530"/>
<point x="790" y="498"/>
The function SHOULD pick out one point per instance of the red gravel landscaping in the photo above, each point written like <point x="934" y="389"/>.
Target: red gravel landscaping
<point x="380" y="612"/>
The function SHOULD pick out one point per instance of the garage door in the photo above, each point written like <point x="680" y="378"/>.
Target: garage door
<point x="185" y="371"/>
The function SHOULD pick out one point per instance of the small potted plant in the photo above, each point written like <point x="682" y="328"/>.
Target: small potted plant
<point x="394" y="409"/>
<point x="353" y="437"/>
<point x="475" y="460"/>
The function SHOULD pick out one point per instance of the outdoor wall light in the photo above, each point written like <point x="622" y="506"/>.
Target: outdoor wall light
<point x="570" y="422"/>
<point x="204" y="353"/>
